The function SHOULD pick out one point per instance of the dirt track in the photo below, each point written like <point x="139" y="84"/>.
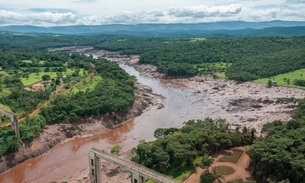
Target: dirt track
<point x="240" y="167"/>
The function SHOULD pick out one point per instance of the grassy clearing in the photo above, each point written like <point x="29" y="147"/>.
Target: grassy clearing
<point x="5" y="107"/>
<point x="225" y="170"/>
<point x="180" y="173"/>
<point x="88" y="85"/>
<point x="213" y="66"/>
<point x="282" y="79"/>
<point x="196" y="39"/>
<point x="27" y="61"/>
<point x="30" y="61"/>
<point x="233" y="157"/>
<point x="217" y="68"/>
<point x="35" y="77"/>
<point x="198" y="161"/>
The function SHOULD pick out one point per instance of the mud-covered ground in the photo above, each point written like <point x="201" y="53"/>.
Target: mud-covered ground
<point x="246" y="104"/>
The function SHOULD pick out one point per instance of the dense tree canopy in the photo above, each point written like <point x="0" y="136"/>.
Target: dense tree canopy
<point x="22" y="56"/>
<point x="179" y="147"/>
<point x="280" y="156"/>
<point x="114" y="93"/>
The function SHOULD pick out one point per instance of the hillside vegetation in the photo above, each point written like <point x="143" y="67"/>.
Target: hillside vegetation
<point x="280" y="156"/>
<point x="57" y="71"/>
<point x="177" y="149"/>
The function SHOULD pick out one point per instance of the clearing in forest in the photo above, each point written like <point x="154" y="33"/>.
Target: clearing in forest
<point x="285" y="79"/>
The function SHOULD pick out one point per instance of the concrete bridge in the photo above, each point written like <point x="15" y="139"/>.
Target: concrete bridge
<point x="139" y="173"/>
<point x="14" y="120"/>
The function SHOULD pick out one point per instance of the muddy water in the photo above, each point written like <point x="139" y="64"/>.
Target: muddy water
<point x="70" y="158"/>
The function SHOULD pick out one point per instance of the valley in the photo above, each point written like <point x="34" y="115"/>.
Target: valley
<point x="241" y="104"/>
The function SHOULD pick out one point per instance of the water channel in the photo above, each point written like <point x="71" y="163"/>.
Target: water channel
<point x="67" y="159"/>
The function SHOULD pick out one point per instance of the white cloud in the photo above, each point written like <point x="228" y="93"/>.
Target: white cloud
<point x="45" y="18"/>
<point x="204" y="11"/>
<point x="183" y="14"/>
<point x="296" y="1"/>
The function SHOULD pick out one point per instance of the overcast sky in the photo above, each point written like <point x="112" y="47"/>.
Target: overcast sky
<point x="97" y="12"/>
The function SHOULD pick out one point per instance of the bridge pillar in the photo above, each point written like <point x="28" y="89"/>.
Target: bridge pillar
<point x="94" y="168"/>
<point x="136" y="178"/>
<point x="15" y="126"/>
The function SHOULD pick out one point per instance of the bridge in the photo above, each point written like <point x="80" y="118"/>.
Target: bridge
<point x="14" y="120"/>
<point x="139" y="173"/>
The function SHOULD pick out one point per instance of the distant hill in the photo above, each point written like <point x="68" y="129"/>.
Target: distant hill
<point x="233" y="28"/>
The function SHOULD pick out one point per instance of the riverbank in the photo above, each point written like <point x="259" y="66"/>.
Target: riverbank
<point x="245" y="104"/>
<point x="59" y="133"/>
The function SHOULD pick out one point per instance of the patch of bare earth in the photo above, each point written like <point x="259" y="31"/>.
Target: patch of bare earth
<point x="240" y="168"/>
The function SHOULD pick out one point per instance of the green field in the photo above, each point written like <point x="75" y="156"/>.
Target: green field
<point x="35" y="77"/>
<point x="179" y="174"/>
<point x="88" y="85"/>
<point x="282" y="79"/>
<point x="218" y="67"/>
<point x="213" y="66"/>
<point x="27" y="61"/>
<point x="30" y="61"/>
<point x="5" y="107"/>
<point x="197" y="39"/>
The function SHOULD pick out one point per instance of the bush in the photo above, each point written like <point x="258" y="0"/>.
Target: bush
<point x="116" y="149"/>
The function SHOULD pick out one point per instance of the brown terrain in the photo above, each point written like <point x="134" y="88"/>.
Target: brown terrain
<point x="240" y="168"/>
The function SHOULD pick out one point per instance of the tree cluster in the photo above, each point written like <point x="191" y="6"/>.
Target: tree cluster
<point x="280" y="156"/>
<point x="180" y="147"/>
<point x="114" y="93"/>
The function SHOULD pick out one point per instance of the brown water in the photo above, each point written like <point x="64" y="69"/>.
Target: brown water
<point x="70" y="158"/>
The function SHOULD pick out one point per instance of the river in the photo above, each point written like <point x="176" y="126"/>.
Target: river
<point x="70" y="158"/>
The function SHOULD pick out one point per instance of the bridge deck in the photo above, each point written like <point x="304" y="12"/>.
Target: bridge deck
<point x="134" y="167"/>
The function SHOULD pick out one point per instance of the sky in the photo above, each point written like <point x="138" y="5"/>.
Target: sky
<point x="101" y="12"/>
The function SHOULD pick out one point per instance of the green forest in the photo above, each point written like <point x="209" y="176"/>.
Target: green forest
<point x="175" y="148"/>
<point x="279" y="157"/>
<point x="276" y="157"/>
<point x="242" y="59"/>
<point x="22" y="66"/>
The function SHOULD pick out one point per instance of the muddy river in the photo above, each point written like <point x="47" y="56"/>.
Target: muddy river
<point x="68" y="161"/>
<point x="70" y="158"/>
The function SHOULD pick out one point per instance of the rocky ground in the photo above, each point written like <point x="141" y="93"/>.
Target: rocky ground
<point x="57" y="133"/>
<point x="246" y="104"/>
<point x="240" y="103"/>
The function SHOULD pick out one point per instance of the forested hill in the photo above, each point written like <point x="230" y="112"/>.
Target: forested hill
<point x="232" y="28"/>
<point x="242" y="59"/>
